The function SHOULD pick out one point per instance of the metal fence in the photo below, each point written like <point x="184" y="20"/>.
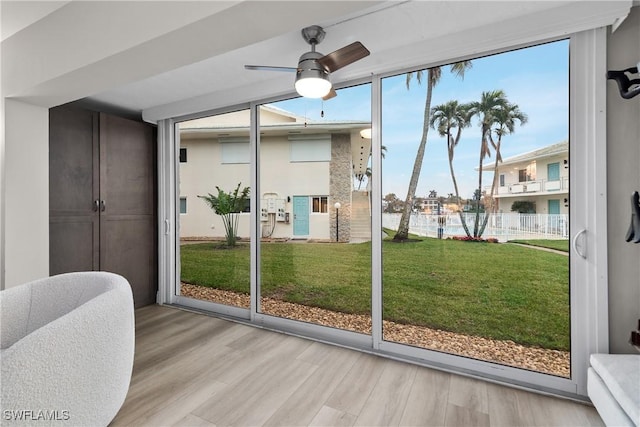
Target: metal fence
<point x="502" y="226"/>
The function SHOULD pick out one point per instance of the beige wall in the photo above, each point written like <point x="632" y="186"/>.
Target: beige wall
<point x="26" y="198"/>
<point x="199" y="176"/>
<point x="279" y="175"/>
<point x="623" y="177"/>
<point x="542" y="203"/>
<point x="204" y="170"/>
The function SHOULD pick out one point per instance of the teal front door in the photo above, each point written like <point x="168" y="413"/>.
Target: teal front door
<point x="554" y="207"/>
<point x="553" y="172"/>
<point x="300" y="215"/>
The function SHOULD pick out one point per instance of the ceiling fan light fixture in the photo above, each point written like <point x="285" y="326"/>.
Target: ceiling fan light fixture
<point x="314" y="68"/>
<point x="312" y="83"/>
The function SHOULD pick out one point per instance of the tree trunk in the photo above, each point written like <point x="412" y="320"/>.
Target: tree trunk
<point x="479" y="195"/>
<point x="493" y="189"/>
<point x="455" y="187"/>
<point x="403" y="227"/>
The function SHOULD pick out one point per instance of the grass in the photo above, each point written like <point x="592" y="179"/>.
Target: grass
<point x="498" y="291"/>
<point x="559" y="245"/>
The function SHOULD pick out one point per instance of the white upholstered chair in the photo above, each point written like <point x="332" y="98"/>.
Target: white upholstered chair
<point x="66" y="349"/>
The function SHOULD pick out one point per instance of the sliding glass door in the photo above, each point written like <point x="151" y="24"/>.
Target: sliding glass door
<point x="472" y="177"/>
<point x="315" y="210"/>
<point x="476" y="247"/>
<point x="214" y="200"/>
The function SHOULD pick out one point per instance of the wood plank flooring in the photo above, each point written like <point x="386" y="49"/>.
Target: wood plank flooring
<point x="196" y="370"/>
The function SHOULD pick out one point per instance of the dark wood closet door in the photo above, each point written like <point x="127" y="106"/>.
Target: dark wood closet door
<point x="127" y="222"/>
<point x="73" y="190"/>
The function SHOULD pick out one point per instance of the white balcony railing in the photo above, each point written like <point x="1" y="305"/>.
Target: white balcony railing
<point x="538" y="186"/>
<point x="502" y="226"/>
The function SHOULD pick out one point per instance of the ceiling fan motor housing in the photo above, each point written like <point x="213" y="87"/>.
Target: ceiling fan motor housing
<point x="309" y="66"/>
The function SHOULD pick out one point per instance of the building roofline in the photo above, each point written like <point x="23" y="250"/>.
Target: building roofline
<point x="538" y="153"/>
<point x="276" y="129"/>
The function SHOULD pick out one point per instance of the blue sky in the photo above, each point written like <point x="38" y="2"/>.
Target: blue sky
<point x="536" y="78"/>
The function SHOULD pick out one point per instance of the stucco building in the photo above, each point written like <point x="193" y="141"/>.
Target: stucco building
<point x="311" y="166"/>
<point x="540" y="176"/>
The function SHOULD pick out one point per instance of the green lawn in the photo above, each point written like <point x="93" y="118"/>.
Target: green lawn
<point x="560" y="245"/>
<point x="500" y="291"/>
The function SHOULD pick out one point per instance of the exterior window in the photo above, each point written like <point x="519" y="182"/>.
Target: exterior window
<point x="553" y="172"/>
<point x="502" y="180"/>
<point x="183" y="155"/>
<point x="183" y="205"/>
<point x="528" y="173"/>
<point x="235" y="151"/>
<point x="522" y="175"/>
<point x="313" y="148"/>
<point x="319" y="204"/>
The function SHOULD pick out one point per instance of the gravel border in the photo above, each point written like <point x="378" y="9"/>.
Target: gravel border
<point x="509" y="353"/>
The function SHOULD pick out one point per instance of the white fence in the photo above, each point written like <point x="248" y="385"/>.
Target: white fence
<point x="502" y="226"/>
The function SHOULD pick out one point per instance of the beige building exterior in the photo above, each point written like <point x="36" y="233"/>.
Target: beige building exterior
<point x="540" y="176"/>
<point x="305" y="168"/>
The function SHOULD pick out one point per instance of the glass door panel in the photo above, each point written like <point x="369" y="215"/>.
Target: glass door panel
<point x="475" y="263"/>
<point x="315" y="210"/>
<point x="214" y="188"/>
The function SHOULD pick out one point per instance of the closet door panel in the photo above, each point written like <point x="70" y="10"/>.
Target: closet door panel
<point x="75" y="241"/>
<point x="73" y="190"/>
<point x="127" y="222"/>
<point x="124" y="251"/>
<point x="126" y="173"/>
<point x="73" y="161"/>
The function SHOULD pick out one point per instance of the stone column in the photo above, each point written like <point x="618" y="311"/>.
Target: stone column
<point x="340" y="171"/>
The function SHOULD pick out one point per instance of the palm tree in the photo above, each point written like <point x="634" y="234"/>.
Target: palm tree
<point x="433" y="76"/>
<point x="228" y="206"/>
<point x="486" y="109"/>
<point x="505" y="119"/>
<point x="447" y="117"/>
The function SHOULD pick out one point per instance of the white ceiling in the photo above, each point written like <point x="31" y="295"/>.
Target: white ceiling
<point x="16" y="15"/>
<point x="383" y="29"/>
<point x="210" y="70"/>
<point x="388" y="31"/>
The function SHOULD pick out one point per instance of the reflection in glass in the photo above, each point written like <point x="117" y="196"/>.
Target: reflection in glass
<point x="316" y="258"/>
<point x="214" y="177"/>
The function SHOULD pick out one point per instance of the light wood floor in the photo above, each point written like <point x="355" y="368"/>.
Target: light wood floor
<point x="197" y="370"/>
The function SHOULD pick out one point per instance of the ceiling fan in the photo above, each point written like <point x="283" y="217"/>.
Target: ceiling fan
<point x="314" y="68"/>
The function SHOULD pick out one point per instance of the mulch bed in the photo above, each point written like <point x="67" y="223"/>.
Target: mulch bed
<point x="553" y="362"/>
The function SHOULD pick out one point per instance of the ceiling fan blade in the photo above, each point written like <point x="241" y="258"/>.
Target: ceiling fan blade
<point x="269" y="68"/>
<point x="332" y="94"/>
<point x="344" y="56"/>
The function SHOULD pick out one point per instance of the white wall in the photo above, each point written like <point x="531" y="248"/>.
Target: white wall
<point x="623" y="177"/>
<point x="199" y="176"/>
<point x="26" y="201"/>
<point x="204" y="170"/>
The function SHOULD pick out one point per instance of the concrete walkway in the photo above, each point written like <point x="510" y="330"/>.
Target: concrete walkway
<point x="555" y="251"/>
